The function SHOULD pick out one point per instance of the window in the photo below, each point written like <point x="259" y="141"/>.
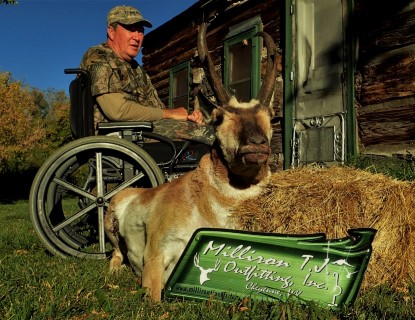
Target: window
<point x="179" y="86"/>
<point x="243" y="60"/>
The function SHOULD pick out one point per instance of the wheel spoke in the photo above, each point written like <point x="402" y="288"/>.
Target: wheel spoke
<point x="101" y="231"/>
<point x="100" y="202"/>
<point x="73" y="188"/>
<point x="124" y="185"/>
<point x="75" y="217"/>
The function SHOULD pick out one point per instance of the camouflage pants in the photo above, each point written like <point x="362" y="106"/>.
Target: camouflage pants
<point x="177" y="130"/>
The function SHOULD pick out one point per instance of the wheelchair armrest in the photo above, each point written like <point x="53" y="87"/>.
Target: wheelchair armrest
<point x="125" y="125"/>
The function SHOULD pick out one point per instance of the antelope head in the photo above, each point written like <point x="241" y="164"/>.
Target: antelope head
<point x="243" y="129"/>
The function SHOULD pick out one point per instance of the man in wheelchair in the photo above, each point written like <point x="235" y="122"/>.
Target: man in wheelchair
<point x="111" y="98"/>
<point x="123" y="91"/>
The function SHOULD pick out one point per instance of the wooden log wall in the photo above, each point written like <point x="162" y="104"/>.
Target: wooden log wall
<point x="385" y="76"/>
<point x="385" y="62"/>
<point x="175" y="42"/>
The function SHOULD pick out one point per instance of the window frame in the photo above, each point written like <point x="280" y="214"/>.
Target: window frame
<point x="173" y="71"/>
<point x="238" y="33"/>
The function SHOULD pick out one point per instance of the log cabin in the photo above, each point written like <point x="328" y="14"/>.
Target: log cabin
<point x="346" y="81"/>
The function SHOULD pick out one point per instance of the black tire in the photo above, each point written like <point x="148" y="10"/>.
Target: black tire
<point x="73" y="187"/>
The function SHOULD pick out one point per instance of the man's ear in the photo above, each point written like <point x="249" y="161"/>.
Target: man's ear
<point x="110" y="32"/>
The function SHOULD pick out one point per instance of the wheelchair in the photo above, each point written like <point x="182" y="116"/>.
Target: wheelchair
<point x="72" y="189"/>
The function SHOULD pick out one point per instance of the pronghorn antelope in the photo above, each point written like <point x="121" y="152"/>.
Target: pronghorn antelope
<point x="152" y="226"/>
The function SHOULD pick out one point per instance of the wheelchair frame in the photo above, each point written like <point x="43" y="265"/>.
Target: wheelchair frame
<point x="72" y="189"/>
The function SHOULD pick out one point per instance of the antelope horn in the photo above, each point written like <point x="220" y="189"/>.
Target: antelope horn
<point x="267" y="87"/>
<point x="213" y="77"/>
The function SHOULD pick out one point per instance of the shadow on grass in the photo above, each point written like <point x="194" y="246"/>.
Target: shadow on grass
<point x="16" y="186"/>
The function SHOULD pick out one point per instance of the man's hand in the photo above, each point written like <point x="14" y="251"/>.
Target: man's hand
<point x="196" y="116"/>
<point x="181" y="114"/>
<point x="177" y="114"/>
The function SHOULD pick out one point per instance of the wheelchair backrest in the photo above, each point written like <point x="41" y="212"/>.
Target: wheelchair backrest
<point x="81" y="113"/>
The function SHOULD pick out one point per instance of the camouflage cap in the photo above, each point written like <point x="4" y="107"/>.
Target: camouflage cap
<point x="126" y="15"/>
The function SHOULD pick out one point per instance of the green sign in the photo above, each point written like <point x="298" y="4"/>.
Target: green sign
<point x="227" y="265"/>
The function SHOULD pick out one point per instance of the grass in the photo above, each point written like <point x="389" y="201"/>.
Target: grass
<point x="400" y="167"/>
<point x="36" y="285"/>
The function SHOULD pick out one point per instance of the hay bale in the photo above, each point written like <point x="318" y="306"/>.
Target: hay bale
<point x="334" y="200"/>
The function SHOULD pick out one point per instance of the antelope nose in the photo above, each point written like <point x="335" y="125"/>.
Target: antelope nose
<point x="257" y="139"/>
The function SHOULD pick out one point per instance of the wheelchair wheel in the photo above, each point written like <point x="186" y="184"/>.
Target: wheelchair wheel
<point x="72" y="190"/>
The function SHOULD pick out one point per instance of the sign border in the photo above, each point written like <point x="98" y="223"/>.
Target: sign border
<point x="358" y="243"/>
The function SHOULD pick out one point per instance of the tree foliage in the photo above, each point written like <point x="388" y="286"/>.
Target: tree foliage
<point x="20" y="129"/>
<point x="56" y="119"/>
<point x="40" y="101"/>
<point x="33" y="124"/>
<point x="8" y="2"/>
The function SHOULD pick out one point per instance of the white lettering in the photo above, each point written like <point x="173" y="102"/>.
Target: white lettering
<point x="253" y="272"/>
<point x="311" y="283"/>
<point x="244" y="254"/>
<point x="307" y="258"/>
<point x="255" y="287"/>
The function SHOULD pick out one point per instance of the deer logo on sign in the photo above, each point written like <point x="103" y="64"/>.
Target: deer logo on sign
<point x="204" y="272"/>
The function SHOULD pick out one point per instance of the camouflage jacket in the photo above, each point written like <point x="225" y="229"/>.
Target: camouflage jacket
<point x="110" y="74"/>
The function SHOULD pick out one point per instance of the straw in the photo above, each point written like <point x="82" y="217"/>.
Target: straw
<point x="333" y="200"/>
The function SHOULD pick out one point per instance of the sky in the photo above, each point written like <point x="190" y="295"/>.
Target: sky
<point x="40" y="38"/>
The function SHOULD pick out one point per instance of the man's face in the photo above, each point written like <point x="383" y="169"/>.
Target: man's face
<point x="126" y="40"/>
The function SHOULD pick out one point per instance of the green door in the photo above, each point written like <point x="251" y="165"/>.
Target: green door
<point x="318" y="106"/>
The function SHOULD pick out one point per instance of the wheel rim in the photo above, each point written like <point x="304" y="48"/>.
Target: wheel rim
<point x="75" y="186"/>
